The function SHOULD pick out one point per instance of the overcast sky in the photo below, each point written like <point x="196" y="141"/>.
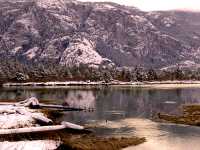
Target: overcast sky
<point x="148" y="5"/>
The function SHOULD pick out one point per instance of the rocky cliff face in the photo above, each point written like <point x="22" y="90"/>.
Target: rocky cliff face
<point x="72" y="32"/>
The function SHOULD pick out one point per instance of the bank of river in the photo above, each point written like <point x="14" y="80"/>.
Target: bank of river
<point x="114" y="83"/>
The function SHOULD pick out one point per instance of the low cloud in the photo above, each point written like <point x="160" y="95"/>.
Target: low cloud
<point x="150" y="5"/>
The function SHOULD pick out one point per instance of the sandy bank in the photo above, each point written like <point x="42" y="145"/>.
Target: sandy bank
<point x="154" y="84"/>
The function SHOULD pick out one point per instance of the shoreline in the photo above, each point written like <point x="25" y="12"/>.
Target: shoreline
<point x="188" y="83"/>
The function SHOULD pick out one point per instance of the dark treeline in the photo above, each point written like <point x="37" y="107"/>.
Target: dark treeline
<point x="13" y="70"/>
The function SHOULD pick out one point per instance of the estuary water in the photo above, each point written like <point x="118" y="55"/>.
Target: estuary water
<point x="122" y="111"/>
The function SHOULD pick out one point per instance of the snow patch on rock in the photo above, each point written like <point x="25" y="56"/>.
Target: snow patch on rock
<point x="53" y="4"/>
<point x="183" y="64"/>
<point x="27" y="21"/>
<point x="104" y="7"/>
<point x="168" y="21"/>
<point x="195" y="37"/>
<point x="82" y="51"/>
<point x="15" y="50"/>
<point x="155" y="15"/>
<point x="188" y="63"/>
<point x="31" y="53"/>
<point x="66" y="21"/>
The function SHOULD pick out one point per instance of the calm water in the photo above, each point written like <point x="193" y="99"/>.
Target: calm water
<point x="123" y="111"/>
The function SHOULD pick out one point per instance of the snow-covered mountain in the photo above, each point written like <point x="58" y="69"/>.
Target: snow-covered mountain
<point x="70" y="32"/>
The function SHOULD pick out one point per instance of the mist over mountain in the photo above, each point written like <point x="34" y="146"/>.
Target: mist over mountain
<point x="69" y="32"/>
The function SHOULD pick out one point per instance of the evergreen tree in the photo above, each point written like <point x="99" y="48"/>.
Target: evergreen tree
<point x="178" y="74"/>
<point x="138" y="74"/>
<point x="152" y="75"/>
<point x="68" y="73"/>
<point x="107" y="76"/>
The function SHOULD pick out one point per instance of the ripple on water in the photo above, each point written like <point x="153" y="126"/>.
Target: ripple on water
<point x="160" y="136"/>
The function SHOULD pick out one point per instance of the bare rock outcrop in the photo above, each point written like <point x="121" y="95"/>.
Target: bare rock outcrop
<point x="71" y="32"/>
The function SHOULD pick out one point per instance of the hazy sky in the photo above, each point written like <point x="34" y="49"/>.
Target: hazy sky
<point x="159" y="4"/>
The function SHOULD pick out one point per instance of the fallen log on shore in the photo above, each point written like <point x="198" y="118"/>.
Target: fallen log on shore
<point x="30" y="102"/>
<point x="72" y="126"/>
<point x="38" y="117"/>
<point x="33" y="103"/>
<point x="32" y="116"/>
<point x="60" y="107"/>
<point x="64" y="125"/>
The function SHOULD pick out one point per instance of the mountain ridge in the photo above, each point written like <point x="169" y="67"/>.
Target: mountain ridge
<point x="98" y="34"/>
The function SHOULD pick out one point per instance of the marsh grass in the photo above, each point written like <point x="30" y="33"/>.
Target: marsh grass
<point x="75" y="140"/>
<point x="190" y="116"/>
<point x="92" y="142"/>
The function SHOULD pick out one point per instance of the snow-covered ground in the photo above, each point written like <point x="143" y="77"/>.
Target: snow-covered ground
<point x="11" y="118"/>
<point x="15" y="116"/>
<point x="169" y="83"/>
<point x="30" y="145"/>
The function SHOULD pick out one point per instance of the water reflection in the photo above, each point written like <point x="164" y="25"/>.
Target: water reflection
<point x="80" y="99"/>
<point x="110" y="103"/>
<point x="123" y="111"/>
<point x="163" y="136"/>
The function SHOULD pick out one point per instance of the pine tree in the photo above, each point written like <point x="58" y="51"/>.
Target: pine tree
<point x="152" y="75"/>
<point x="178" y="74"/>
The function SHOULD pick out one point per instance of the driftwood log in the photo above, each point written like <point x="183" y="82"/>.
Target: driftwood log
<point x="34" y="103"/>
<point x="38" y="117"/>
<point x="64" y="125"/>
<point x="30" y="102"/>
<point x="7" y="110"/>
<point x="60" y="107"/>
<point x="72" y="126"/>
<point x="20" y="109"/>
